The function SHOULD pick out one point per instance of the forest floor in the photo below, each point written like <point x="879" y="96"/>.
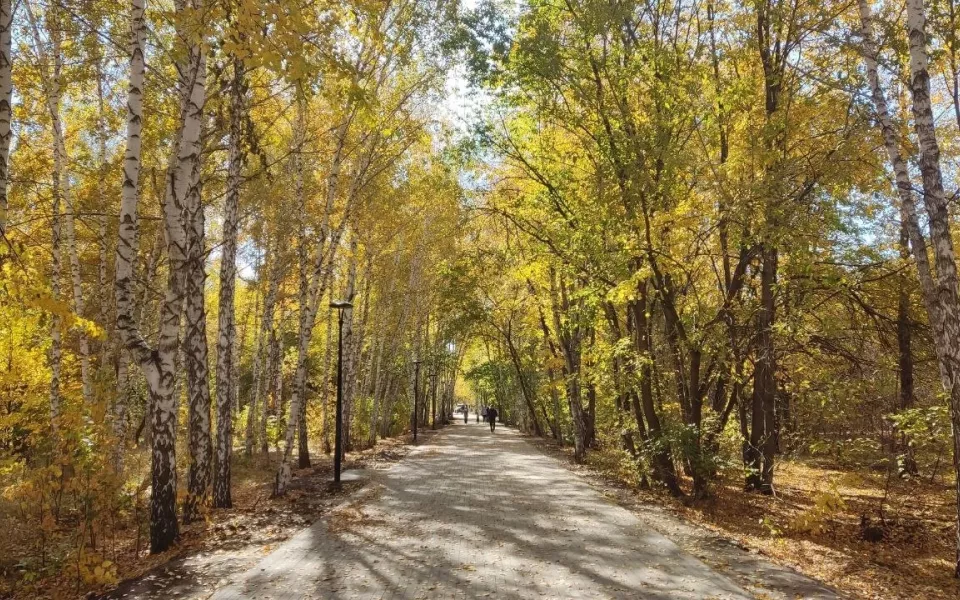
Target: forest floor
<point x="813" y="523"/>
<point x="228" y="541"/>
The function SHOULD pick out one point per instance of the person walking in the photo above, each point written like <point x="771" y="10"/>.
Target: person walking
<point x="492" y="417"/>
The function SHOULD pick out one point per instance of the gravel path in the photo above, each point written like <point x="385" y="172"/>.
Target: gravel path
<point x="470" y="514"/>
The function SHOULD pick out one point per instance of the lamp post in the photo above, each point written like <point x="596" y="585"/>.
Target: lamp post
<point x="340" y="305"/>
<point x="416" y="393"/>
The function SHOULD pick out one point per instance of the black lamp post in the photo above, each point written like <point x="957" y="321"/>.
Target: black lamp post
<point x="416" y="393"/>
<point x="340" y="305"/>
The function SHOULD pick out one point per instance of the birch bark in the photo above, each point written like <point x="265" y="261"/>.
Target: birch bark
<point x="195" y="349"/>
<point x="349" y="342"/>
<point x="325" y="389"/>
<point x="6" y="97"/>
<point x="56" y="343"/>
<point x="228" y="273"/>
<point x="310" y="293"/>
<point x="159" y="363"/>
<point x="940" y="292"/>
<point x="61" y="179"/>
<point x="262" y="377"/>
<point x="296" y="423"/>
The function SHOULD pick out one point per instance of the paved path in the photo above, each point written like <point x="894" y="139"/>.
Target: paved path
<point x="470" y="514"/>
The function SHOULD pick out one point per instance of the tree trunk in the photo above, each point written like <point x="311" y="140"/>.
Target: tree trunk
<point x="310" y="295"/>
<point x="227" y="330"/>
<point x="353" y="344"/>
<point x="195" y="349"/>
<point x="274" y="388"/>
<point x="947" y="330"/>
<point x="6" y="113"/>
<point x="763" y="442"/>
<point x="61" y="179"/>
<point x="940" y="292"/>
<point x="763" y="437"/>
<point x="303" y="440"/>
<point x="376" y="375"/>
<point x="56" y="322"/>
<point x="521" y="378"/>
<point x="325" y="393"/>
<point x="659" y="447"/>
<point x="349" y="341"/>
<point x="265" y="361"/>
<point x="159" y="365"/>
<point x="905" y="355"/>
<point x="570" y="340"/>
<point x="196" y="357"/>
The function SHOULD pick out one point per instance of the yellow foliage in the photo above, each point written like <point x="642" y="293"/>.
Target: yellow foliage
<point x="95" y="570"/>
<point x="827" y="504"/>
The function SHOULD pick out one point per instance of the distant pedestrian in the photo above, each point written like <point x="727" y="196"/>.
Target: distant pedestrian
<point x="492" y="417"/>
<point x="466" y="413"/>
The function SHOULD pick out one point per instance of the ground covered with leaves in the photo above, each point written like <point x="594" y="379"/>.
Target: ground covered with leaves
<point x="865" y="533"/>
<point x="225" y="542"/>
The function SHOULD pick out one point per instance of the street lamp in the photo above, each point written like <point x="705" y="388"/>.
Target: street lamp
<point x="340" y="305"/>
<point x="416" y="393"/>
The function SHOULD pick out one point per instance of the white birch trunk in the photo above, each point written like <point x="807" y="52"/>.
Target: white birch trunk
<point x="56" y="349"/>
<point x="947" y="327"/>
<point x="892" y="144"/>
<point x="277" y="383"/>
<point x="309" y="300"/>
<point x="295" y="425"/>
<point x="228" y="272"/>
<point x="376" y="372"/>
<point x="6" y="112"/>
<point x="102" y="276"/>
<point x="269" y="373"/>
<point x="357" y="376"/>
<point x="262" y="367"/>
<point x="195" y="349"/>
<point x="325" y="389"/>
<point x="126" y="306"/>
<point x="158" y="365"/>
<point x="102" y="270"/>
<point x="349" y="343"/>
<point x="61" y="181"/>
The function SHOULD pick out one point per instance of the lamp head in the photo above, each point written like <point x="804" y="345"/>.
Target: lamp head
<point x="341" y="304"/>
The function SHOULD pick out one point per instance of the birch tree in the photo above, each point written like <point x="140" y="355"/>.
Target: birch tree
<point x="195" y="349"/>
<point x="159" y="363"/>
<point x="61" y="177"/>
<point x="228" y="272"/>
<point x="940" y="290"/>
<point x="6" y="100"/>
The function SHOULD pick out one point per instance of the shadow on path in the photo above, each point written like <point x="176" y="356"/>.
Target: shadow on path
<point x="471" y="514"/>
